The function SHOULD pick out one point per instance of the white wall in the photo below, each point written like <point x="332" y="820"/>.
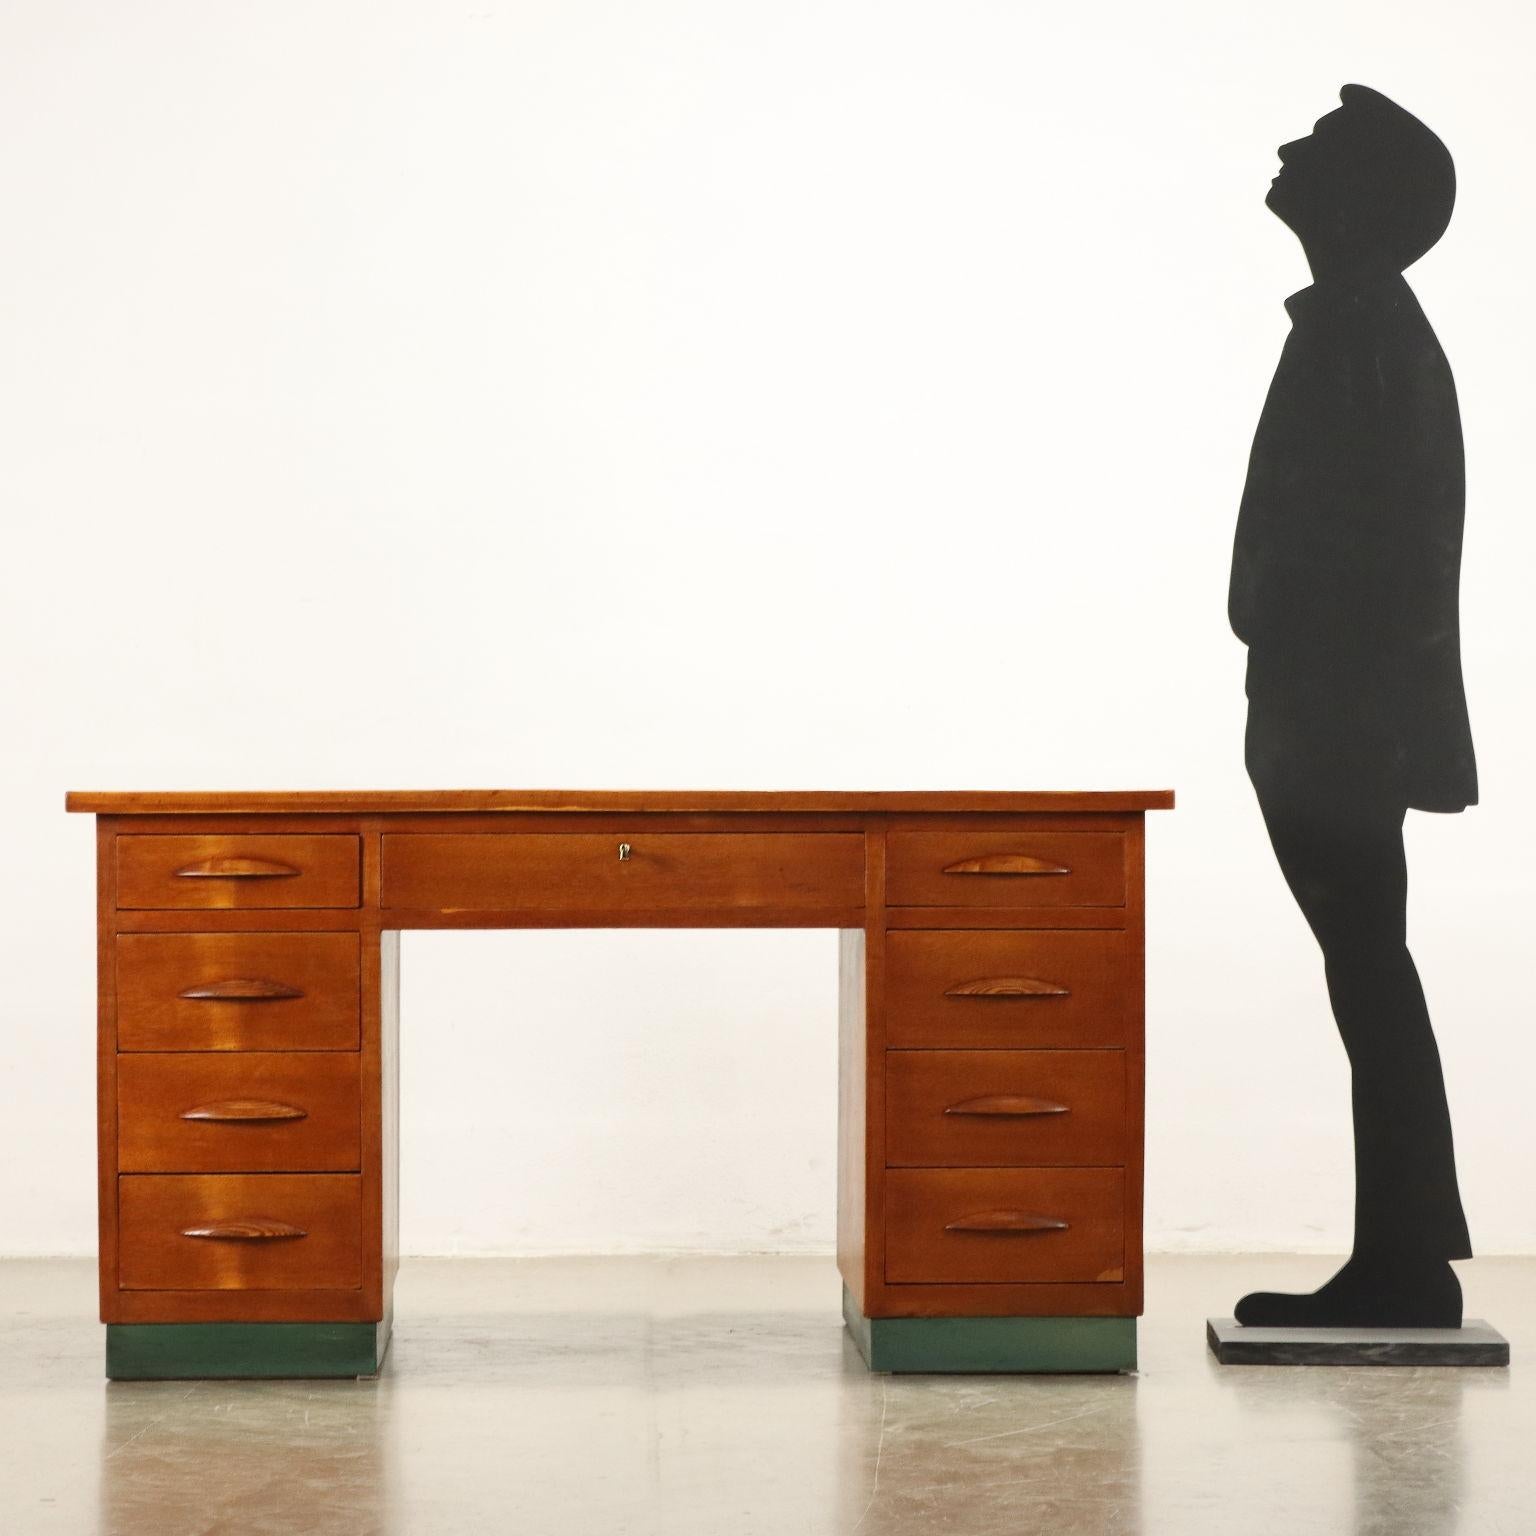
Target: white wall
<point x="849" y="394"/>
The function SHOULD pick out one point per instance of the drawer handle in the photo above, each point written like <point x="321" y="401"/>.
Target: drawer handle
<point x="1008" y="1104"/>
<point x="1007" y="986"/>
<point x="240" y="989"/>
<point x="236" y="868"/>
<point x="245" y="1109"/>
<point x="252" y="1230"/>
<point x="1006" y="864"/>
<point x="1021" y="1223"/>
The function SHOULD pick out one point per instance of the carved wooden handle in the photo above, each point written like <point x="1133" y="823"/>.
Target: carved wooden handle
<point x="245" y="1109"/>
<point x="251" y="1230"/>
<point x="235" y="868"/>
<point x="1007" y="1223"/>
<point x="1009" y="1104"/>
<point x="1007" y="986"/>
<point x="1006" y="864"/>
<point x="240" y="989"/>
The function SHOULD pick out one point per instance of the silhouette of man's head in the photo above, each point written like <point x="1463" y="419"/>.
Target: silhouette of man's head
<point x="1368" y="192"/>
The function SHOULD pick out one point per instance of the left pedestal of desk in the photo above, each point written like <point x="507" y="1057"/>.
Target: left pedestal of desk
<point x="246" y="1098"/>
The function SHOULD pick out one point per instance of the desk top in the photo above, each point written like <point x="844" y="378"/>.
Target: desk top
<point x="344" y="802"/>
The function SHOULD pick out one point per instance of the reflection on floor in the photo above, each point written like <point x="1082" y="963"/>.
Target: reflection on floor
<point x="720" y="1396"/>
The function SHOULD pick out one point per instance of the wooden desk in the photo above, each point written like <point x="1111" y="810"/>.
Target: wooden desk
<point x="991" y="1068"/>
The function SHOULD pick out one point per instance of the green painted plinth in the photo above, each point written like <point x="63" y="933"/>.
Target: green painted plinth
<point x="213" y="1351"/>
<point x="1012" y="1344"/>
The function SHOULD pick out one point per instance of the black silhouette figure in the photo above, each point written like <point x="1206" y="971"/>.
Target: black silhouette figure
<point x="1344" y="589"/>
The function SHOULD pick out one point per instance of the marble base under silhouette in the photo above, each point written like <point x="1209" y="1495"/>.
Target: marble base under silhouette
<point x="1474" y="1343"/>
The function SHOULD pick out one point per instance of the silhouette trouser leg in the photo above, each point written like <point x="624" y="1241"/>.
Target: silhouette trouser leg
<point x="1342" y="856"/>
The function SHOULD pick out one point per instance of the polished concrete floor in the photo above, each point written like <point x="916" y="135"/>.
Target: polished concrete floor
<point x="720" y="1396"/>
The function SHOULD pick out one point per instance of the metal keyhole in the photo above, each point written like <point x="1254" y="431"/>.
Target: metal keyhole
<point x="623" y="853"/>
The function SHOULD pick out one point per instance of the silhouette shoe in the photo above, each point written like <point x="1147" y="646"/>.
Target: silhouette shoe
<point x="1376" y="1293"/>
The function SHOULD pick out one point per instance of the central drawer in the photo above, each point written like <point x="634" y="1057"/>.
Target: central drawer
<point x="703" y="870"/>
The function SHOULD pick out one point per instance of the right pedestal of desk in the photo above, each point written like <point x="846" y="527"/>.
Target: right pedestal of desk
<point x="991" y="1080"/>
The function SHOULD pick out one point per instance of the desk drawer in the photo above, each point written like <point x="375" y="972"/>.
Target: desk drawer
<point x="994" y="988"/>
<point x="238" y="991"/>
<point x="238" y="870"/>
<point x="1005" y="1225"/>
<point x="252" y="1111"/>
<point x="973" y="1109"/>
<point x="469" y="872"/>
<point x="1006" y="869"/>
<point x="240" y="1232"/>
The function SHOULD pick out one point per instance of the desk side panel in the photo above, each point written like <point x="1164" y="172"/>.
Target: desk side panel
<point x="375" y="976"/>
<point x="852" y="1097"/>
<point x="389" y="1073"/>
<point x="1136" y="1066"/>
<point x="106" y="1066"/>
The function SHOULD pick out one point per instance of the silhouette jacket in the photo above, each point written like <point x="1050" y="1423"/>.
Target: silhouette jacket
<point x="1347" y="555"/>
